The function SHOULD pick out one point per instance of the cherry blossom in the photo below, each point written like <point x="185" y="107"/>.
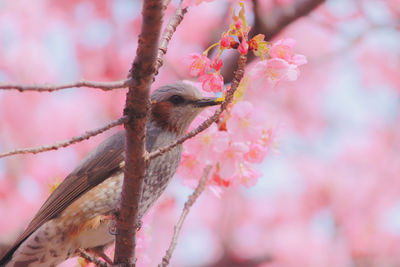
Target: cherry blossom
<point x="199" y="64"/>
<point x="243" y="47"/>
<point x="246" y="176"/>
<point x="241" y="125"/>
<point x="274" y="70"/>
<point x="232" y="157"/>
<point x="217" y="63"/>
<point x="330" y="198"/>
<point x="257" y="153"/>
<point x="283" y="49"/>
<point x="209" y="145"/>
<point x="225" y="40"/>
<point x="212" y="82"/>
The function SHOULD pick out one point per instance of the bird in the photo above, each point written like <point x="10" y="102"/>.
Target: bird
<point x="78" y="215"/>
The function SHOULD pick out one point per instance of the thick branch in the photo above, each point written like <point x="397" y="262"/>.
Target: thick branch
<point x="207" y="123"/>
<point x="271" y="24"/>
<point x="136" y="108"/>
<point x="281" y="16"/>
<point x="105" y="86"/>
<point x="65" y="143"/>
<point x="188" y="204"/>
<point x="167" y="35"/>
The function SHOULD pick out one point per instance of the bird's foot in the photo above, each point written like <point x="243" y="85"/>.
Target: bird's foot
<point x="99" y="253"/>
<point x="139" y="225"/>
<point x="113" y="227"/>
<point x="113" y="224"/>
<point x="92" y="256"/>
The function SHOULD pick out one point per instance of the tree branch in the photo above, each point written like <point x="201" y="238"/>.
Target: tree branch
<point x="281" y="16"/>
<point x="188" y="204"/>
<point x="105" y="86"/>
<point x="207" y="123"/>
<point x="65" y="143"/>
<point x="167" y="34"/>
<point x="92" y="259"/>
<point x="136" y="108"/>
<point x="166" y="3"/>
<point x="271" y="24"/>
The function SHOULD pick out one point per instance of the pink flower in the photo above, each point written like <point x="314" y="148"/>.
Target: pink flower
<point x="212" y="82"/>
<point x="238" y="24"/>
<point x="243" y="47"/>
<point x="199" y="64"/>
<point x="208" y="145"/>
<point x="256" y="153"/>
<point x="283" y="49"/>
<point x="298" y="60"/>
<point x="231" y="159"/>
<point x="190" y="166"/>
<point x="246" y="176"/>
<point x="217" y="63"/>
<point x="241" y="125"/>
<point x="273" y="71"/>
<point x="225" y="40"/>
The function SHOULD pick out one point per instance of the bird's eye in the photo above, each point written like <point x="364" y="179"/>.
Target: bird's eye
<point x="176" y="99"/>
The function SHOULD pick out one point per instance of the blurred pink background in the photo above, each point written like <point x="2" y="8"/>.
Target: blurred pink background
<point x="329" y="194"/>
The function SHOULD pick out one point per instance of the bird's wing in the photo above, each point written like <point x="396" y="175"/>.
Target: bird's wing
<point x="100" y="164"/>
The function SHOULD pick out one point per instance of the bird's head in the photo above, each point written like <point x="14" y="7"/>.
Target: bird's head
<point x="174" y="106"/>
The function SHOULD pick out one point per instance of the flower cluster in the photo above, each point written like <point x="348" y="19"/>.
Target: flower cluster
<point x="282" y="64"/>
<point x="209" y="70"/>
<point x="278" y="62"/>
<point x="240" y="139"/>
<point x="233" y="145"/>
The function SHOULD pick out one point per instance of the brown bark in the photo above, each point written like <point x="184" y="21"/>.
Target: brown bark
<point x="274" y="22"/>
<point x="136" y="108"/>
<point x="105" y="86"/>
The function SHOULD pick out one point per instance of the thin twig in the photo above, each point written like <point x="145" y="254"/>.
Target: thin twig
<point x="65" y="143"/>
<point x="105" y="86"/>
<point x="166" y="3"/>
<point x="188" y="204"/>
<point x="167" y="35"/>
<point x="92" y="259"/>
<point x="207" y="123"/>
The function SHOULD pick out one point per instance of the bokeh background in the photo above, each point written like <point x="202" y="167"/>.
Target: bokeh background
<point x="329" y="194"/>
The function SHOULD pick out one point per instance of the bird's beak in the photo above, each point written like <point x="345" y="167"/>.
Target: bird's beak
<point x="209" y="101"/>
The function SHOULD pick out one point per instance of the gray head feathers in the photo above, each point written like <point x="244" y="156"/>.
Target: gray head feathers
<point x="174" y="106"/>
<point x="185" y="90"/>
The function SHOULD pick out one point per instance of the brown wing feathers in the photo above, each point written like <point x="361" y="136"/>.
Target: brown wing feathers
<point x="100" y="164"/>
